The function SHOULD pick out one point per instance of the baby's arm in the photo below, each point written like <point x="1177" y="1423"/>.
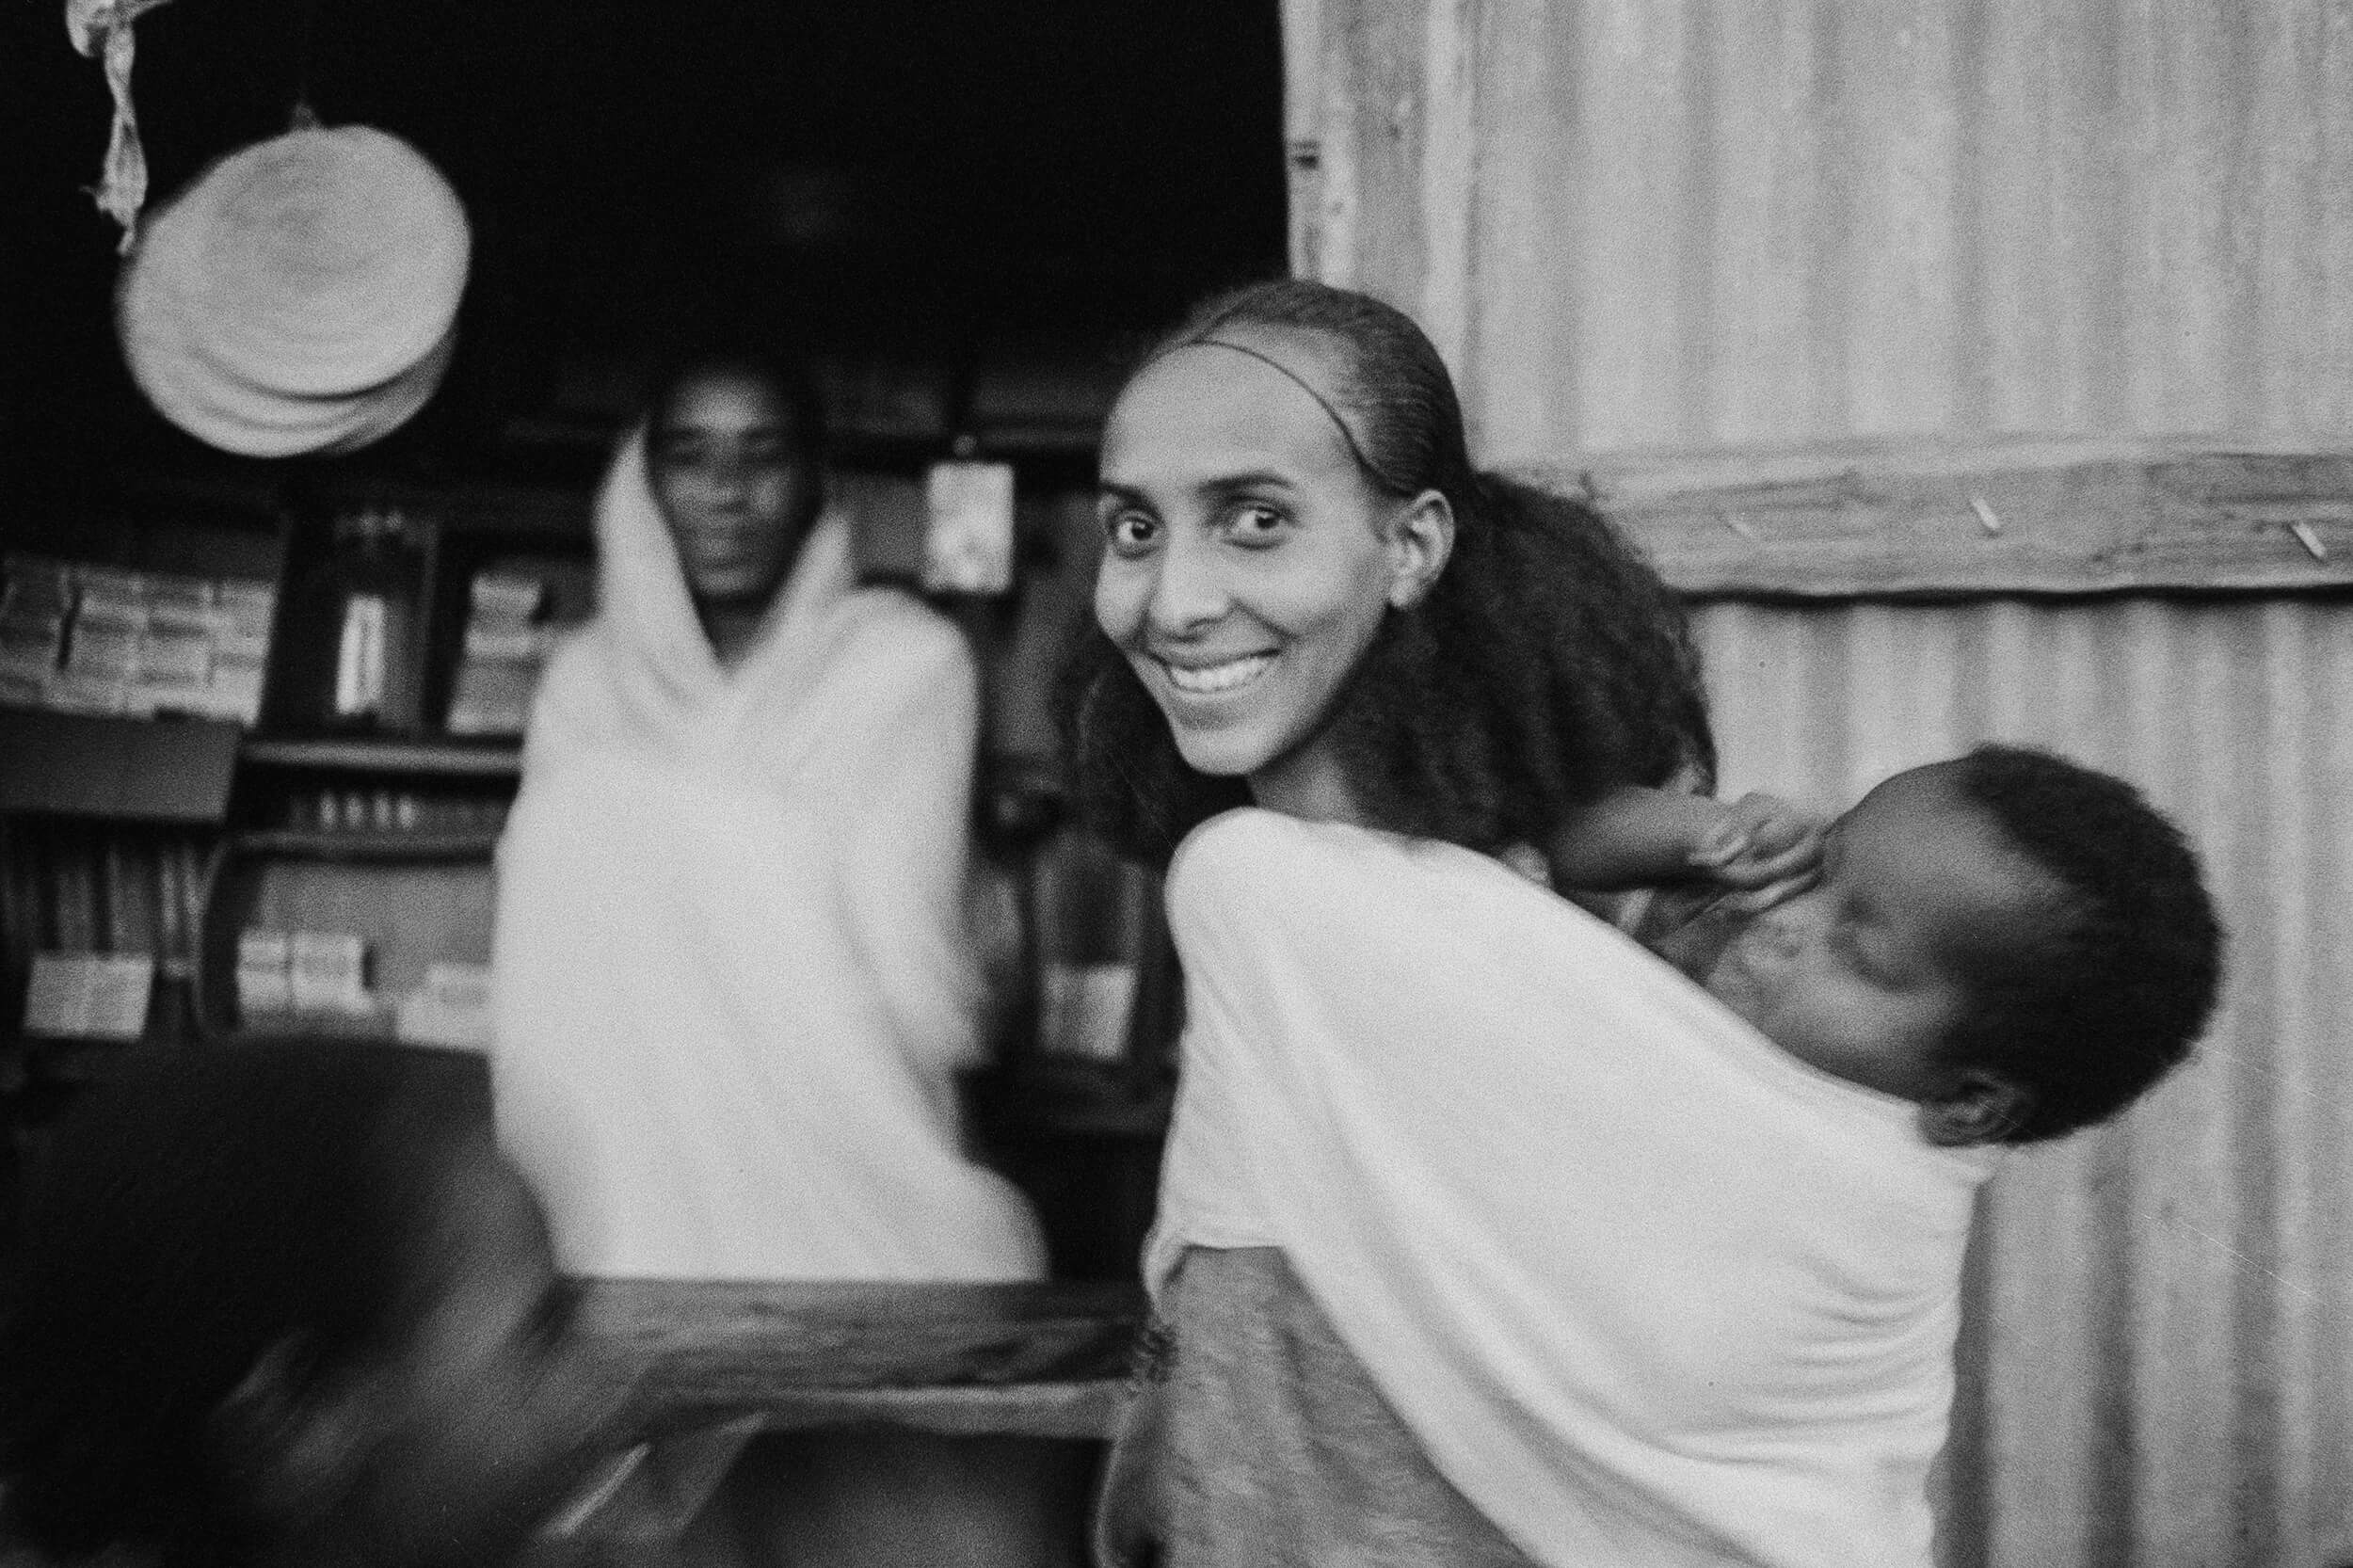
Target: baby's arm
<point x="1759" y="848"/>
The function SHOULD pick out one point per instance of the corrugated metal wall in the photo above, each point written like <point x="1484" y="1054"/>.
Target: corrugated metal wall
<point x="1642" y="223"/>
<point x="1647" y="221"/>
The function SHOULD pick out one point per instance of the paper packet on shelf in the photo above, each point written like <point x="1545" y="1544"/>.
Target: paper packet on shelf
<point x="451" y="1008"/>
<point x="264" y="972"/>
<point x="328" y="972"/>
<point x="95" y="995"/>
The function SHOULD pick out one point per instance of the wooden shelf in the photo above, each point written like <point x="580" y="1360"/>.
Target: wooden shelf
<point x="174" y="770"/>
<point x="68" y="1059"/>
<point x="370" y="844"/>
<point x="362" y="1028"/>
<point x="429" y="756"/>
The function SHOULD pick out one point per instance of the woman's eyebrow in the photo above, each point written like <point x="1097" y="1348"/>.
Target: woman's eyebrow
<point x="1254" y="479"/>
<point x="1218" y="489"/>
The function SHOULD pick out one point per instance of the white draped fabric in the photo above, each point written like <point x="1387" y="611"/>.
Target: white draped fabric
<point x="1647" y="1289"/>
<point x="733" y="987"/>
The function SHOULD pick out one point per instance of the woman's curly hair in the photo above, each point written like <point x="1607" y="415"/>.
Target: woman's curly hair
<point x="1547" y="665"/>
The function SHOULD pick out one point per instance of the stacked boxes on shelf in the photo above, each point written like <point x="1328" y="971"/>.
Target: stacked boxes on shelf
<point x="98" y="639"/>
<point x="311" y="972"/>
<point x="90" y="915"/>
<point x="508" y="644"/>
<point x="451" y="1008"/>
<point x="36" y="600"/>
<point x="285" y="978"/>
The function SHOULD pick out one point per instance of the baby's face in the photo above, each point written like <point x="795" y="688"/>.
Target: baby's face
<point x="1865" y="975"/>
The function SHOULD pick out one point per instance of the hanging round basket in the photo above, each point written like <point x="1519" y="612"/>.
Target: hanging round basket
<point x="299" y="296"/>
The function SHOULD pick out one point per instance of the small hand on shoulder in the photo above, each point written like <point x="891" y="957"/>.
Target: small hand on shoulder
<point x="1760" y="850"/>
<point x="1748" y="854"/>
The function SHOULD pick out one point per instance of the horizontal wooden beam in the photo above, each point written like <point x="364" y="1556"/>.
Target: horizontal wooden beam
<point x="1924" y="517"/>
<point x="1047" y="1360"/>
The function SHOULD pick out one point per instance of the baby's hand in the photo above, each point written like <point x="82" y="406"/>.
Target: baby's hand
<point x="1761" y="851"/>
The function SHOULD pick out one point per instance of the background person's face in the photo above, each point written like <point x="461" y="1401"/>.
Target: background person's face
<point x="1245" y="571"/>
<point x="734" y="484"/>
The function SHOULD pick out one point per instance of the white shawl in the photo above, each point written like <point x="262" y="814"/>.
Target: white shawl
<point x="732" y="980"/>
<point x="1648" y="1290"/>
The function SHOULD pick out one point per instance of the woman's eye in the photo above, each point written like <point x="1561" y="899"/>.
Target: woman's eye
<point x="1130" y="532"/>
<point x="1254" y="523"/>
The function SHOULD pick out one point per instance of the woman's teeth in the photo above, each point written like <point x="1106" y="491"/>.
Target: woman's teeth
<point x="1207" y="680"/>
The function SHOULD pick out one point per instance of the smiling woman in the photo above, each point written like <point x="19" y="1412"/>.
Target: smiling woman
<point x="1453" y="1165"/>
<point x="1249" y="563"/>
<point x="1458" y="1175"/>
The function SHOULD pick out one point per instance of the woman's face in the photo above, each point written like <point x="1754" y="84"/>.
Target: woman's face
<point x="1247" y="562"/>
<point x="734" y="482"/>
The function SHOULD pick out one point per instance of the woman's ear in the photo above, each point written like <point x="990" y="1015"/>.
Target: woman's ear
<point x="1420" y="538"/>
<point x="1979" y="1107"/>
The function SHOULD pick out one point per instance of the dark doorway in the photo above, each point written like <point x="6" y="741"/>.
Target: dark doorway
<point x="912" y="178"/>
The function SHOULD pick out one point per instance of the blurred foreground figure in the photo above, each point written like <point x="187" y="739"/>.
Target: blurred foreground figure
<point x="287" y="1305"/>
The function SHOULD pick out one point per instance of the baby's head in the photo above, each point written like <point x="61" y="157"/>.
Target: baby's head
<point x="287" y="1304"/>
<point x="2020" y="944"/>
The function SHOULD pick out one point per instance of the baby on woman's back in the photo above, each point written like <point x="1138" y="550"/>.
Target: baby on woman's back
<point x="2020" y="945"/>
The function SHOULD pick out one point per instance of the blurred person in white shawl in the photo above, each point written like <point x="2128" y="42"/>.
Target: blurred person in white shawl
<point x="733" y="983"/>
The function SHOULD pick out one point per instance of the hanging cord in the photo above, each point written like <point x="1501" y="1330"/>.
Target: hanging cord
<point x="101" y="29"/>
<point x="305" y="117"/>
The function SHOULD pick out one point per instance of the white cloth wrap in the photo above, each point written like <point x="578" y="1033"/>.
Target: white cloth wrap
<point x="732" y="984"/>
<point x="1648" y="1290"/>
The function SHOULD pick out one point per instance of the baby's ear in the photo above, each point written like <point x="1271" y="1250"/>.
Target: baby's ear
<point x="1979" y="1107"/>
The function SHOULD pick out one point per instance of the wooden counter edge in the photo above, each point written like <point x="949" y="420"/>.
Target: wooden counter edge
<point x="1046" y="1359"/>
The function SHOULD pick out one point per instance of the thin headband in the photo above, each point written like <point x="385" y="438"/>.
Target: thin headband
<point x="1302" y="383"/>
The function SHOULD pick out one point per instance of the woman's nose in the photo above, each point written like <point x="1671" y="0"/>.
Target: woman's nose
<point x="1188" y="590"/>
<point x="726" y="480"/>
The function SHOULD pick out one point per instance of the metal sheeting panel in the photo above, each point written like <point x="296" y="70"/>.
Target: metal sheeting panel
<point x="1645" y="222"/>
<point x="1673" y="223"/>
<point x="2160" y="1369"/>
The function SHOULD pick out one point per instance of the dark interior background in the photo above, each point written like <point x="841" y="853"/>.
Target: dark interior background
<point x="924" y="183"/>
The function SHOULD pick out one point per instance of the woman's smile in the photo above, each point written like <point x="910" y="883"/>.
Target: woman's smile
<point x="1200" y="677"/>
